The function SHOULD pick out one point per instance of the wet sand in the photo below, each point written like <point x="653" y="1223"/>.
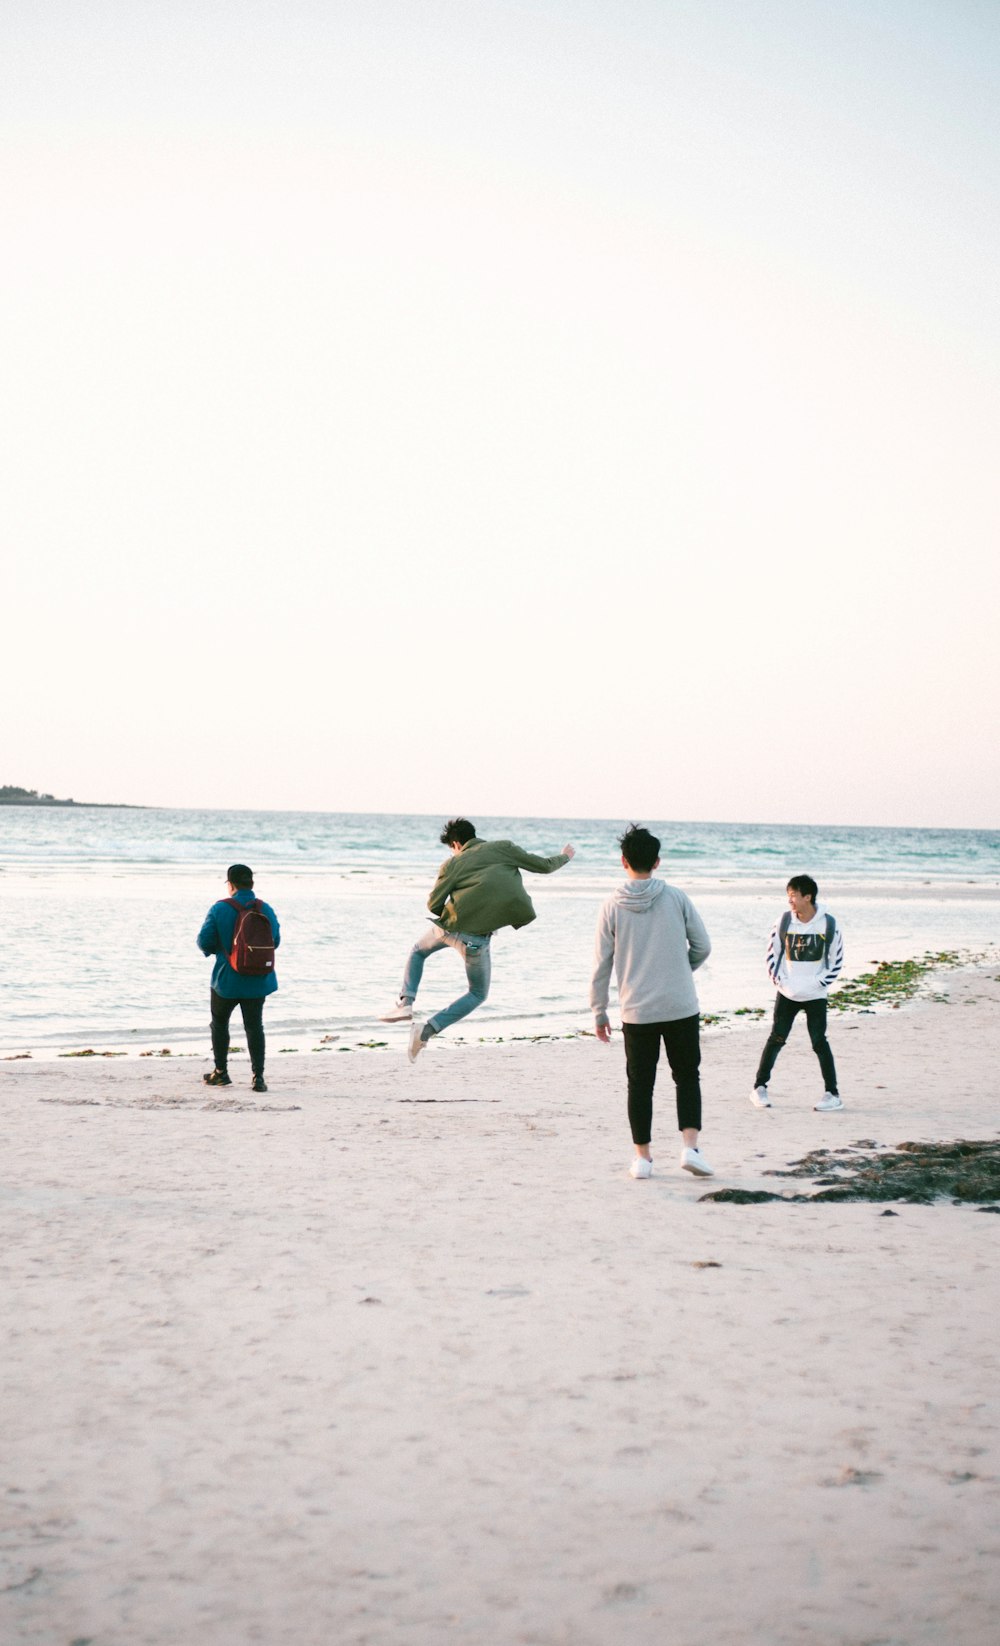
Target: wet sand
<point x="402" y="1355"/>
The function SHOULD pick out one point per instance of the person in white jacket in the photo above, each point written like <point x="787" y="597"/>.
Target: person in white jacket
<point x="654" y="937"/>
<point x="805" y="953"/>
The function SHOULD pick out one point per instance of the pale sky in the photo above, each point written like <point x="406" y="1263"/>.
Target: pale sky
<point x="579" y="409"/>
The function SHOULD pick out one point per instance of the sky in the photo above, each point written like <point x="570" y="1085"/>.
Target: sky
<point x="471" y="406"/>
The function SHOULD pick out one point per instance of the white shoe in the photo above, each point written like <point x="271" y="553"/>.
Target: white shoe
<point x="692" y="1160"/>
<point x="402" y="1012"/>
<point x="829" y="1100"/>
<point x="415" y="1045"/>
<point x="759" y="1098"/>
<point x="641" y="1167"/>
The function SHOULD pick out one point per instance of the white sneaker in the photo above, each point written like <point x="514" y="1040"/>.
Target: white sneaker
<point x="692" y="1160"/>
<point x="641" y="1167"/>
<point x="402" y="1012"/>
<point x="415" y="1045"/>
<point x="759" y="1098"/>
<point x="829" y="1100"/>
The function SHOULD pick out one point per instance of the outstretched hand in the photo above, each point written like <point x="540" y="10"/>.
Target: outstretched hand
<point x="603" y="1032"/>
<point x="569" y="851"/>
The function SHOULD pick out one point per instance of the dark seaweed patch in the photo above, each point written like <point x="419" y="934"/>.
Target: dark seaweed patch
<point x="966" y="1172"/>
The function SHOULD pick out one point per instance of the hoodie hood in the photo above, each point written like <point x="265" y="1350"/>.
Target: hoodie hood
<point x="821" y="913"/>
<point x="639" y="895"/>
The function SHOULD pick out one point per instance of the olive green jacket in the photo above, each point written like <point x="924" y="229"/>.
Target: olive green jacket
<point x="479" y="889"/>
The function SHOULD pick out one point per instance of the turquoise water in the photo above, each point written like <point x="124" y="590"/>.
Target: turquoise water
<point x="101" y="908"/>
<point x="156" y="839"/>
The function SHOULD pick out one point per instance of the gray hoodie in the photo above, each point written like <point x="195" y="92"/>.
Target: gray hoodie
<point x="654" y="937"/>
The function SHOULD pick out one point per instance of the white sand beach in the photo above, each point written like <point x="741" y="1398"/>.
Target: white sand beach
<point x="397" y="1356"/>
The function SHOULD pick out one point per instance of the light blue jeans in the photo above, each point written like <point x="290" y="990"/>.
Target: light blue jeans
<point x="475" y="951"/>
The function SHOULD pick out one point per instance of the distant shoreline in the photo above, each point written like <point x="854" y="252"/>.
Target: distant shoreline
<point x="12" y="794"/>
<point x="78" y="805"/>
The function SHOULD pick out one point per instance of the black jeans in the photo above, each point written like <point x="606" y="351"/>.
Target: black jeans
<point x="642" y="1051"/>
<point x="785" y="1013"/>
<point x="253" y="1022"/>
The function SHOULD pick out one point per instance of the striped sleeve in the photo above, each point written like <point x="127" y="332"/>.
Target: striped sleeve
<point x="836" y="961"/>
<point x="773" y="954"/>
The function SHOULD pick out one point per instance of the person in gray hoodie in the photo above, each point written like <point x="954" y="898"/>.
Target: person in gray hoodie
<point x="654" y="937"/>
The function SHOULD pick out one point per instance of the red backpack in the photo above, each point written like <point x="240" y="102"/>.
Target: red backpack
<point x="252" y="953"/>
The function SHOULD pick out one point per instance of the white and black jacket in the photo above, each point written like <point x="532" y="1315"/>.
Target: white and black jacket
<point x="805" y="957"/>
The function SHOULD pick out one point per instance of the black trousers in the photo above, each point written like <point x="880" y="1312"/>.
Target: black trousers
<point x="642" y="1052"/>
<point x="785" y="1013"/>
<point x="253" y="1022"/>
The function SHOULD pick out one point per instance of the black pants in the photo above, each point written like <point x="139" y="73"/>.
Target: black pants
<point x="642" y="1051"/>
<point x="785" y="1013"/>
<point x="253" y="1022"/>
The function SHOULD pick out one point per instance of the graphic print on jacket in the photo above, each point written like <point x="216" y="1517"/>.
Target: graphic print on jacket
<point x="804" y="957"/>
<point x="806" y="946"/>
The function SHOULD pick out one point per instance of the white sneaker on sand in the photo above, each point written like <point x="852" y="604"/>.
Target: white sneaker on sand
<point x="692" y="1160"/>
<point x="415" y="1045"/>
<point x="641" y="1167"/>
<point x="759" y="1098"/>
<point x="401" y="1013"/>
<point x="829" y="1100"/>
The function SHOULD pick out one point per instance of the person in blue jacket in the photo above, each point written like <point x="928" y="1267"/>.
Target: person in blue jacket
<point x="230" y="988"/>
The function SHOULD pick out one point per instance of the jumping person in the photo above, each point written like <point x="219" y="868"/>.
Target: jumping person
<point x="247" y="988"/>
<point x="478" y="890"/>
<point x="805" y="953"/>
<point x="654" y="937"/>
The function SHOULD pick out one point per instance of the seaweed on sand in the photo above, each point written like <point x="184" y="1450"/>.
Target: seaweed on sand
<point x="893" y="981"/>
<point x="967" y="1172"/>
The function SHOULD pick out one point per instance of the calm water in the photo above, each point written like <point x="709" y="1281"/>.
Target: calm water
<point x="101" y="908"/>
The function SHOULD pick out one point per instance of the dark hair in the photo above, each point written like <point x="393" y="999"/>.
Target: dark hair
<point x="240" y="876"/>
<point x="458" y="832"/>
<point x="805" y="885"/>
<point x="640" y="849"/>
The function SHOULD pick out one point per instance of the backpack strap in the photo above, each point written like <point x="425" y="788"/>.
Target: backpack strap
<point x="831" y="927"/>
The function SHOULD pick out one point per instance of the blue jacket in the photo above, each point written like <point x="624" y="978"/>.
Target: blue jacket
<point x="216" y="937"/>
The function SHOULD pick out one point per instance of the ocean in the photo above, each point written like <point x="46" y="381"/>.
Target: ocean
<point x="101" y="908"/>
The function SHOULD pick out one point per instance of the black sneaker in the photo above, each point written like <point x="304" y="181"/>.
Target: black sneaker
<point x="218" y="1077"/>
<point x="257" y="1083"/>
